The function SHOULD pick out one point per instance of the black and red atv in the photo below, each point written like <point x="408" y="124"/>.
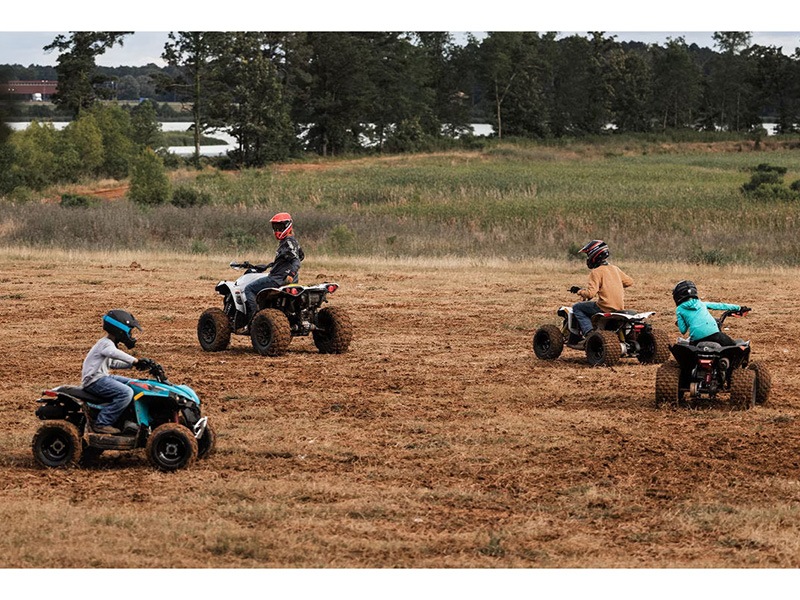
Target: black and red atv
<point x="708" y="370"/>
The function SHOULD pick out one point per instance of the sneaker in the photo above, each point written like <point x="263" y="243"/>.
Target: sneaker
<point x="106" y="429"/>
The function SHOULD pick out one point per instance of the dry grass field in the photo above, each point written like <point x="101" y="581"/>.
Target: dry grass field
<point x="439" y="440"/>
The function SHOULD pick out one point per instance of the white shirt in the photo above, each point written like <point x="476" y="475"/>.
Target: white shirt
<point x="103" y="356"/>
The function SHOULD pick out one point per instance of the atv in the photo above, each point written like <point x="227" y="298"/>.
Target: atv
<point x="614" y="335"/>
<point x="163" y="418"/>
<point x="705" y="370"/>
<point x="283" y="313"/>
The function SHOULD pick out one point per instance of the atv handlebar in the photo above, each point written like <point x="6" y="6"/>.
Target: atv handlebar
<point x="743" y="310"/>
<point x="574" y="289"/>
<point x="153" y="368"/>
<point x="247" y="266"/>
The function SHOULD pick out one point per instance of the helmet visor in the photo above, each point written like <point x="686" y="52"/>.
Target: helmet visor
<point x="280" y="226"/>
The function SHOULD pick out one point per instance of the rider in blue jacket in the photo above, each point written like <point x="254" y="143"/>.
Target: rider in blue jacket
<point x="693" y="316"/>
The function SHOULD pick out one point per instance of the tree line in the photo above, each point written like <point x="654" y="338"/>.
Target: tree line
<point x="283" y="93"/>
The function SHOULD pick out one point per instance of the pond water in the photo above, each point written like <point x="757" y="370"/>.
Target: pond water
<point x="478" y="129"/>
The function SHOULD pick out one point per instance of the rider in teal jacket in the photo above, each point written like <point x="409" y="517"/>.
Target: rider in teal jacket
<point x="693" y="316"/>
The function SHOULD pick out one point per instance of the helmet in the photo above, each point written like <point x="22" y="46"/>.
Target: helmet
<point x="282" y="225"/>
<point x="120" y="325"/>
<point x="597" y="253"/>
<point x="683" y="291"/>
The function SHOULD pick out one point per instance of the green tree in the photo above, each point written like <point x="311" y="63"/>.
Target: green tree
<point x="450" y="106"/>
<point x="149" y="182"/>
<point x="193" y="52"/>
<point x="729" y="94"/>
<point x="117" y="133"/>
<point x="777" y="78"/>
<point x="337" y="91"/>
<point x="145" y="128"/>
<point x="250" y="100"/>
<point x="676" y="85"/>
<point x="79" y="84"/>
<point x="34" y="151"/>
<point x="79" y="149"/>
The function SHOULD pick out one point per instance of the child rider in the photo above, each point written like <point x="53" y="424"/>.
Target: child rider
<point x="104" y="355"/>
<point x="607" y="282"/>
<point x="693" y="316"/>
<point x="285" y="267"/>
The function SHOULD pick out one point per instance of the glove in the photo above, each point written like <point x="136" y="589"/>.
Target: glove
<point x="744" y="309"/>
<point x="574" y="289"/>
<point x="143" y="364"/>
<point x="261" y="268"/>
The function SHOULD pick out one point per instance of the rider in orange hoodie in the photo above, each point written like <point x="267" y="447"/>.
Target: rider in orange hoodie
<point x="606" y="282"/>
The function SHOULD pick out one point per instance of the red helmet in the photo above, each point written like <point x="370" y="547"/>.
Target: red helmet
<point x="282" y="225"/>
<point x="597" y="253"/>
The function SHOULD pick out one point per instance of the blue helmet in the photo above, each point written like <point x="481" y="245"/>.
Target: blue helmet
<point x="120" y="325"/>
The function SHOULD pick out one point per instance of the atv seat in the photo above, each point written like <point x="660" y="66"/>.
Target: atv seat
<point x="709" y="346"/>
<point x="82" y="394"/>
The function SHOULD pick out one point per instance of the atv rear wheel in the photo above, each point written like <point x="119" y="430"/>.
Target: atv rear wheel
<point x="171" y="446"/>
<point x="57" y="444"/>
<point x="335" y="331"/>
<point x="653" y="347"/>
<point x="668" y="381"/>
<point x="603" y="348"/>
<point x="743" y="389"/>
<point x="270" y="333"/>
<point x="548" y="342"/>
<point x="763" y="381"/>
<point x="206" y="443"/>
<point x="214" y="330"/>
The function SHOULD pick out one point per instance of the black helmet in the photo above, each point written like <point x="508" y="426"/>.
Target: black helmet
<point x="683" y="291"/>
<point x="120" y="324"/>
<point x="597" y="253"/>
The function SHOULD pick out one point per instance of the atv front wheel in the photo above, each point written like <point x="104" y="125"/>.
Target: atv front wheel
<point x="270" y="333"/>
<point x="603" y="348"/>
<point x="668" y="381"/>
<point x="763" y="381"/>
<point x="214" y="330"/>
<point x="57" y="444"/>
<point x="653" y="347"/>
<point x="171" y="446"/>
<point x="548" y="342"/>
<point x="335" y="331"/>
<point x="743" y="389"/>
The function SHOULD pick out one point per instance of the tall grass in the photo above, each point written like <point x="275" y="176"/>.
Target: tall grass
<point x="510" y="201"/>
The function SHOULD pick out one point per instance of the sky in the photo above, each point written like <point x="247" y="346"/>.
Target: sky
<point x="23" y="35"/>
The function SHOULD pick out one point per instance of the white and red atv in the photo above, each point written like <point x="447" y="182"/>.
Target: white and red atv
<point x="614" y="335"/>
<point x="283" y="313"/>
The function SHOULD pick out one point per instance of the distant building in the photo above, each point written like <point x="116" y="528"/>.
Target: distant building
<point x="41" y="89"/>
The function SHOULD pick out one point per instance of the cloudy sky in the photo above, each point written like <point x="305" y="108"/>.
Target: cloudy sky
<point x="23" y="33"/>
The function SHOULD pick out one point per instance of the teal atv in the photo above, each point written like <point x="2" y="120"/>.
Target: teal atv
<point x="164" y="418"/>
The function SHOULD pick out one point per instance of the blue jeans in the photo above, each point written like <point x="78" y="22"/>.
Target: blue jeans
<point x="113" y="388"/>
<point x="583" y="312"/>
<point x="262" y="283"/>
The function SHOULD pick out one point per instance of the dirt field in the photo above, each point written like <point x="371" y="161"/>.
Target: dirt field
<point x="439" y="440"/>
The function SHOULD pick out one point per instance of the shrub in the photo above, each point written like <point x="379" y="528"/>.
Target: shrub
<point x="78" y="201"/>
<point x="240" y="239"/>
<point x="149" y="182"/>
<point x="184" y="197"/>
<point x="21" y="194"/>
<point x="766" y="183"/>
<point x="342" y="239"/>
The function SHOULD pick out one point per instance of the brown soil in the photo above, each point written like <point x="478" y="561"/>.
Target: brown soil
<point x="437" y="440"/>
